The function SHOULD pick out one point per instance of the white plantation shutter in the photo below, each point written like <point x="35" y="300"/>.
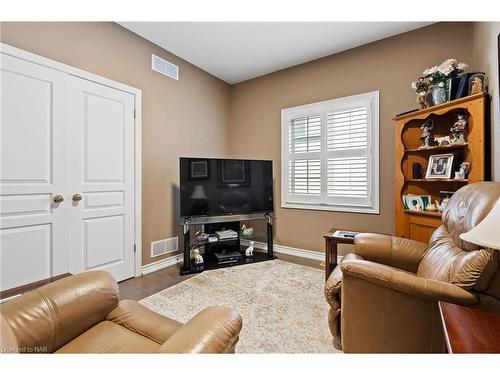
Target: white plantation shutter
<point x="305" y="177"/>
<point x="348" y="177"/>
<point x="330" y="155"/>
<point x="347" y="165"/>
<point x="347" y="129"/>
<point x="305" y="135"/>
<point x="304" y="164"/>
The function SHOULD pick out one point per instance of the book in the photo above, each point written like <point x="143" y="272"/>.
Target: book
<point x="345" y="234"/>
<point x="225" y="234"/>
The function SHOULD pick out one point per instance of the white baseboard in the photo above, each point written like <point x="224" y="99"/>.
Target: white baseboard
<point x="155" y="266"/>
<point x="302" y="253"/>
<point x="278" y="249"/>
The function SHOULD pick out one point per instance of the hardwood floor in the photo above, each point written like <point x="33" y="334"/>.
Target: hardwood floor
<point x="141" y="287"/>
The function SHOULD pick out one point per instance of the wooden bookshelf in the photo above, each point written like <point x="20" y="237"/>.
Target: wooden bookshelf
<point x="419" y="225"/>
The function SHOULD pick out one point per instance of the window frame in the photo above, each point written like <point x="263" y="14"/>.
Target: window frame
<point x="324" y="203"/>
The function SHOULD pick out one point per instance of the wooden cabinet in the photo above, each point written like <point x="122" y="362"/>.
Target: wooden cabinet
<point x="419" y="225"/>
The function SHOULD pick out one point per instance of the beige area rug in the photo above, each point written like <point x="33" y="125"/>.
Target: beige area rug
<point x="282" y="305"/>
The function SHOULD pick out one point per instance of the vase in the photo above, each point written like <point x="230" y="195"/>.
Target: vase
<point x="438" y="94"/>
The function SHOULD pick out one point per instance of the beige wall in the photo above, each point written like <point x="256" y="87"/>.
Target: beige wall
<point x="388" y="65"/>
<point x="485" y="59"/>
<point x="191" y="116"/>
<point x="188" y="117"/>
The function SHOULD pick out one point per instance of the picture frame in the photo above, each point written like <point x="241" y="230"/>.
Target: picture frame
<point x="199" y="170"/>
<point x="480" y="80"/>
<point x="439" y="166"/>
<point x="412" y="201"/>
<point x="234" y="173"/>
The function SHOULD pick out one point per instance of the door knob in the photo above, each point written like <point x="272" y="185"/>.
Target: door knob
<point x="58" y="198"/>
<point x="77" y="197"/>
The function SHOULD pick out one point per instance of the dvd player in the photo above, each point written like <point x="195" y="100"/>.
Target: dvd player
<point x="228" y="257"/>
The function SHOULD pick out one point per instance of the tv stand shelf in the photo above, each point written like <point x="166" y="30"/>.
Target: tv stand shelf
<point x="233" y="244"/>
<point x="210" y="264"/>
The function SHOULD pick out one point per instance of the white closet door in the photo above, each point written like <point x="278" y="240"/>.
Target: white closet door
<point x="33" y="170"/>
<point x="102" y="172"/>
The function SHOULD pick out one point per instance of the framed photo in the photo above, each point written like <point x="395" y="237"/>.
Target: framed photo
<point x="199" y="169"/>
<point x="234" y="173"/>
<point x="440" y="166"/>
<point x="415" y="202"/>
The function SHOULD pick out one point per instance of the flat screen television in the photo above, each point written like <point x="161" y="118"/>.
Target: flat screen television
<point x="216" y="187"/>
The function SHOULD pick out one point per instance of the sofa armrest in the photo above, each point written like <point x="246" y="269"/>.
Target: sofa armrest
<point x="408" y="283"/>
<point x="334" y="282"/>
<point x="213" y="330"/>
<point x="138" y="318"/>
<point x="393" y="251"/>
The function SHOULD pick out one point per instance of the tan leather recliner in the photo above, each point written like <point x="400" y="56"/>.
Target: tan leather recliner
<point x="82" y="314"/>
<point x="384" y="297"/>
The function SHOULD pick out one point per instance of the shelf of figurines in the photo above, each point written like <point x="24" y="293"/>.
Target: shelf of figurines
<point x="204" y="240"/>
<point x="439" y="148"/>
<point x="415" y="204"/>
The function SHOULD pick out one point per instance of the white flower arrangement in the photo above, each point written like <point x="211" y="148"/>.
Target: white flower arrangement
<point x="447" y="69"/>
<point x="437" y="76"/>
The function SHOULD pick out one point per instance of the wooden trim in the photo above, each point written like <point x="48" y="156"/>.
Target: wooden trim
<point x="439" y="107"/>
<point x="138" y="184"/>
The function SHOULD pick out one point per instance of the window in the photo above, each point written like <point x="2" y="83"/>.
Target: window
<point x="330" y="155"/>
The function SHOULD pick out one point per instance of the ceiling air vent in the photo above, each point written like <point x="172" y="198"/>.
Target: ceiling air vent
<point x="164" y="67"/>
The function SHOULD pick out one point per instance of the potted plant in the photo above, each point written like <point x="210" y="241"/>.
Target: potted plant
<point x="439" y="78"/>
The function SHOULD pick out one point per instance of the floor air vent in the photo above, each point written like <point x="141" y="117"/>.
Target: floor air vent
<point x="162" y="247"/>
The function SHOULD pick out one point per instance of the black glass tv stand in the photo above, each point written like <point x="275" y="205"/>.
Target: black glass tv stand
<point x="210" y="225"/>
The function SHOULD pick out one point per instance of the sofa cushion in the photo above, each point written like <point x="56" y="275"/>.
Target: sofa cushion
<point x="138" y="318"/>
<point x="472" y="267"/>
<point x="108" y="337"/>
<point x="445" y="261"/>
<point x="466" y="208"/>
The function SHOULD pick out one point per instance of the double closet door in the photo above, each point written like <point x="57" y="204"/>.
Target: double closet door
<point x="66" y="175"/>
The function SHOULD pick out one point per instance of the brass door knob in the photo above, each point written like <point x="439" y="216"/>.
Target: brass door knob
<point x="77" y="197"/>
<point x="58" y="198"/>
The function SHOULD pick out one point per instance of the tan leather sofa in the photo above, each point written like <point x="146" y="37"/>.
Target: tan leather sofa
<point x="384" y="297"/>
<point x="82" y="314"/>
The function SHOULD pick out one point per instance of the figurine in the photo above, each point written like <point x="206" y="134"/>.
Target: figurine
<point x="442" y="205"/>
<point x="463" y="172"/>
<point x="442" y="141"/>
<point x="249" y="250"/>
<point x="421" y="88"/>
<point x="196" y="256"/>
<point x="431" y="207"/>
<point x="418" y="207"/>
<point x="200" y="236"/>
<point x="477" y="86"/>
<point x="458" y="130"/>
<point x="426" y="133"/>
<point x="246" y="231"/>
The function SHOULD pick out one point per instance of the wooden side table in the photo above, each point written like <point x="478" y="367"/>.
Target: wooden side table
<point x="331" y="244"/>
<point x="469" y="330"/>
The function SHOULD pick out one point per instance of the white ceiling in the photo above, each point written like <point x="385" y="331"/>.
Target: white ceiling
<point x="238" y="51"/>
